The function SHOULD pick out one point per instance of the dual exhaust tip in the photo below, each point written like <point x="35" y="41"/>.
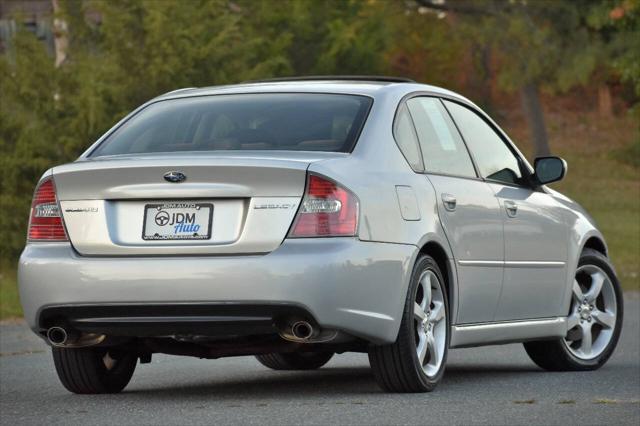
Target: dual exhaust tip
<point x="299" y="331"/>
<point x="58" y="336"/>
<point x="69" y="338"/>
<point x="302" y="330"/>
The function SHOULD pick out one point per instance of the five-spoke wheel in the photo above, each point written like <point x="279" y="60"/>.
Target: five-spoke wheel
<point x="430" y="329"/>
<point x="593" y="313"/>
<point x="415" y="361"/>
<point x="593" y="323"/>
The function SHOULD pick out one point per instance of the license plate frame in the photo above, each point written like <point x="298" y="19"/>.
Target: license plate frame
<point x="181" y="207"/>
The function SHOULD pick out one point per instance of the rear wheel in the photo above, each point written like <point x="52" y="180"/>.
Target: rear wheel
<point x="415" y="362"/>
<point x="594" y="321"/>
<point x="94" y="370"/>
<point x="295" y="360"/>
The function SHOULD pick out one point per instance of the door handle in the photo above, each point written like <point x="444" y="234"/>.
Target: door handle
<point x="512" y="208"/>
<point x="449" y="202"/>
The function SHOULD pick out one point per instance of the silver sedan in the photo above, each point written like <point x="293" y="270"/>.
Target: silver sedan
<point x="292" y="220"/>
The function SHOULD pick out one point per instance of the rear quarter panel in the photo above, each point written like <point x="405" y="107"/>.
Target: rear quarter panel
<point x="372" y="172"/>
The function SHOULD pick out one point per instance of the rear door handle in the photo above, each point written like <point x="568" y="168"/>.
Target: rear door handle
<point x="449" y="202"/>
<point x="512" y="208"/>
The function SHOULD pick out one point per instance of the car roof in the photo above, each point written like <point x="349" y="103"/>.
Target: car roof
<point x="374" y="87"/>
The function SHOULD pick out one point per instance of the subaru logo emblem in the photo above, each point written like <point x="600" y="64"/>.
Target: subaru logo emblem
<point x="174" y="177"/>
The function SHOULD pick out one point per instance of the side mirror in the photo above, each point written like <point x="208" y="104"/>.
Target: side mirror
<point x="549" y="169"/>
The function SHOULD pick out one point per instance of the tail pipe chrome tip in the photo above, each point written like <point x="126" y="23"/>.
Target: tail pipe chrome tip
<point x="58" y="336"/>
<point x="68" y="338"/>
<point x="302" y="330"/>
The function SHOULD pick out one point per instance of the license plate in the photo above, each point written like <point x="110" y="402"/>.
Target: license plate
<point x="177" y="221"/>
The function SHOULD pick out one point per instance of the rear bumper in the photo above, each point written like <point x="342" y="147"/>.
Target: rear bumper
<point x="343" y="283"/>
<point x="169" y="319"/>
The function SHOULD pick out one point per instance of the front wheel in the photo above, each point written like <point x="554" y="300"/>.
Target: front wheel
<point x="594" y="321"/>
<point x="415" y="361"/>
<point x="94" y="370"/>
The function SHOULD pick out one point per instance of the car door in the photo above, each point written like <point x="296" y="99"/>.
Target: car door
<point x="468" y="210"/>
<point x="535" y="233"/>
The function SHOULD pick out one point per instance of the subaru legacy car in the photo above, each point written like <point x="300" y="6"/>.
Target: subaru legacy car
<point x="296" y="219"/>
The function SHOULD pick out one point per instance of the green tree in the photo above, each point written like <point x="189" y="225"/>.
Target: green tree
<point x="540" y="45"/>
<point x="431" y="47"/>
<point x="325" y="36"/>
<point x="49" y="114"/>
<point x="617" y="24"/>
<point x="28" y="125"/>
<point x="114" y="55"/>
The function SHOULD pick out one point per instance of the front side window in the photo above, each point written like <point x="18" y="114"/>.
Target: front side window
<point x="442" y="147"/>
<point x="267" y="121"/>
<point x="494" y="159"/>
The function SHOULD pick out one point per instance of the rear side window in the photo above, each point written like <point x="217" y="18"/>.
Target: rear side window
<point x="443" y="149"/>
<point x="406" y="139"/>
<point x="278" y="121"/>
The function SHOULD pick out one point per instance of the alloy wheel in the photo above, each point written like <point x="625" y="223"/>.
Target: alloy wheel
<point x="593" y="313"/>
<point x="430" y="329"/>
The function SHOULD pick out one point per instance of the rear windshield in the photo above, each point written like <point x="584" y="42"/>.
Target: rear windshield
<point x="294" y="122"/>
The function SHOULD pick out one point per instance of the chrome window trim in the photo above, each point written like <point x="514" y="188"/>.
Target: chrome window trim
<point x="454" y="176"/>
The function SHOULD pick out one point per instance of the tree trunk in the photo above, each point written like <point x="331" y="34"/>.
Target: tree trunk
<point x="60" y="39"/>
<point x="605" y="106"/>
<point x="479" y="81"/>
<point x="485" y="60"/>
<point x="535" y="119"/>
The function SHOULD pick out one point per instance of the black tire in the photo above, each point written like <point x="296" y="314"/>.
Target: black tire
<point x="396" y="367"/>
<point x="83" y="370"/>
<point x="553" y="355"/>
<point x="295" y="360"/>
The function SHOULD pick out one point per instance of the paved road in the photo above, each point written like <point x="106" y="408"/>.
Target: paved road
<point x="495" y="385"/>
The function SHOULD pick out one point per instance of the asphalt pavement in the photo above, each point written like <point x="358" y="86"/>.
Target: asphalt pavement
<point x="492" y="385"/>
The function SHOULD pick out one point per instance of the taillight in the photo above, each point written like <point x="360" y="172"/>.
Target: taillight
<point x="45" y="223"/>
<point x="327" y="210"/>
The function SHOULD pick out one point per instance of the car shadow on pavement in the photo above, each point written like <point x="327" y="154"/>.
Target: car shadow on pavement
<point x="283" y="383"/>
<point x="292" y="384"/>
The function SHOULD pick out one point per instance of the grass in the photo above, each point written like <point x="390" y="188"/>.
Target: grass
<point x="630" y="154"/>
<point x="525" y="401"/>
<point x="605" y="401"/>
<point x="608" y="191"/>
<point x="9" y="300"/>
<point x="605" y="184"/>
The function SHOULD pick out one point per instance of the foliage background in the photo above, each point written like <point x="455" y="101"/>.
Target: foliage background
<point x="560" y="76"/>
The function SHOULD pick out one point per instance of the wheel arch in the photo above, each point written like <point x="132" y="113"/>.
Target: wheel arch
<point x="597" y="244"/>
<point x="440" y="255"/>
<point x="589" y="238"/>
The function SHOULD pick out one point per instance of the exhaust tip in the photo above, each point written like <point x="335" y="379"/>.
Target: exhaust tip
<point x="57" y="336"/>
<point x="302" y="330"/>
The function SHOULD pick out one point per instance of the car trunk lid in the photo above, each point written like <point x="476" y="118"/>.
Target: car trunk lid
<point x="238" y="204"/>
